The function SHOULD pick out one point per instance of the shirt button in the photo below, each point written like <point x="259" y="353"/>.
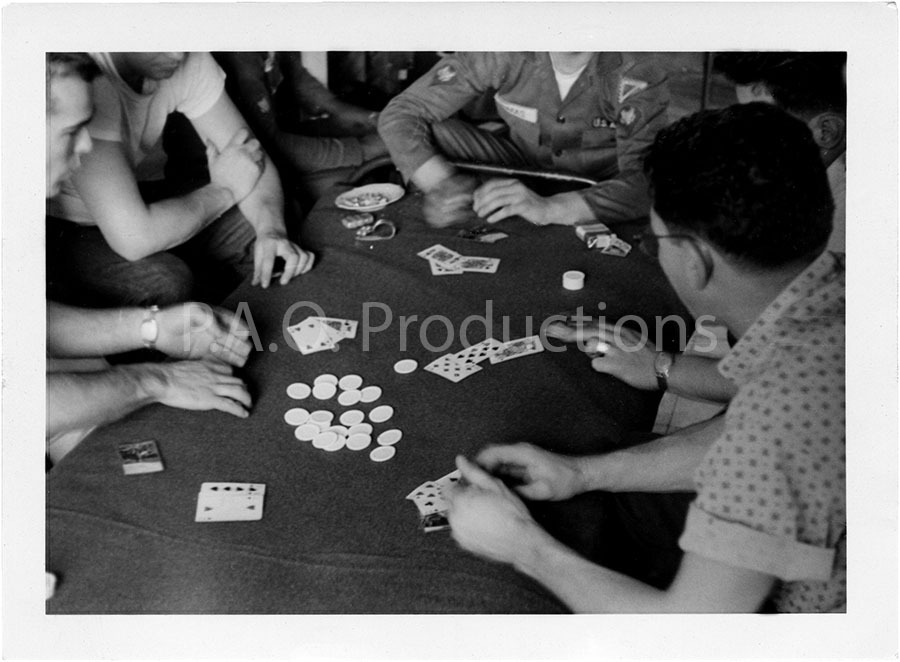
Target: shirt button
<point x="561" y="119"/>
<point x="558" y="153"/>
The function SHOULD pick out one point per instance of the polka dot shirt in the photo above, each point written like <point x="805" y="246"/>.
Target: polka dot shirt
<point x="771" y="490"/>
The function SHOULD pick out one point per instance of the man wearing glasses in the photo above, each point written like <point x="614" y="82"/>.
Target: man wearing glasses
<point x="740" y="219"/>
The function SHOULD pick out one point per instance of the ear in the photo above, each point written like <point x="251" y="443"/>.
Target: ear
<point x="760" y="92"/>
<point x="829" y="130"/>
<point x="698" y="264"/>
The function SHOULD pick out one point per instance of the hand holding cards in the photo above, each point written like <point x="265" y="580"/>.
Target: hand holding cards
<point x="431" y="502"/>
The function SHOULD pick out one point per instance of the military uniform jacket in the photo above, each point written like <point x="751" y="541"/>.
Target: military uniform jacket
<point x="609" y="116"/>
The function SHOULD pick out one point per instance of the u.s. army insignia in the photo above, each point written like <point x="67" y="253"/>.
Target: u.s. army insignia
<point x="627" y="115"/>
<point x="445" y="74"/>
<point x="628" y="87"/>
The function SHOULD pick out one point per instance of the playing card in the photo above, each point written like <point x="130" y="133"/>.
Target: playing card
<point x="239" y="489"/>
<point x="516" y="348"/>
<point x="617" y="247"/>
<point x="479" y="352"/>
<point x="343" y="328"/>
<point x="438" y="269"/>
<point x="485" y="265"/>
<point x="491" y="237"/>
<point x="435" y="522"/>
<point x="312" y="336"/>
<point x="140" y="457"/>
<point x="450" y="368"/>
<point x="440" y="254"/>
<point x="420" y="490"/>
<point x="222" y="507"/>
<point x="445" y="482"/>
<point x="483" y="233"/>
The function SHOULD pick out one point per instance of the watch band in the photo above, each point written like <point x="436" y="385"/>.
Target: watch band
<point x="661" y="366"/>
<point x="150" y="327"/>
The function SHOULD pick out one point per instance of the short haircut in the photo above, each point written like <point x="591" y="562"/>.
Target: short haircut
<point x="748" y="179"/>
<point x="802" y="83"/>
<point x="67" y="64"/>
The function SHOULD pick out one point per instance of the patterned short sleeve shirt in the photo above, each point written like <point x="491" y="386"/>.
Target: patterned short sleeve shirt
<point x="771" y="490"/>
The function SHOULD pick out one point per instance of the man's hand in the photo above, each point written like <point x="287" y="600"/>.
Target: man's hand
<point x="272" y="244"/>
<point x="450" y="201"/>
<point x="485" y="517"/>
<point x="372" y="147"/>
<point x="622" y="354"/>
<point x="238" y="166"/>
<point x="498" y="199"/>
<point x="197" y="331"/>
<point x="543" y="475"/>
<point x="199" y="386"/>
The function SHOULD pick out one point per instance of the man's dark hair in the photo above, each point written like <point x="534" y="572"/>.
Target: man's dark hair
<point x="66" y="64"/>
<point x="748" y="179"/>
<point x="804" y="84"/>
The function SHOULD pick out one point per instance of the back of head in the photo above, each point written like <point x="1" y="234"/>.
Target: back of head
<point x="748" y="179"/>
<point x="60" y="65"/>
<point x="804" y="84"/>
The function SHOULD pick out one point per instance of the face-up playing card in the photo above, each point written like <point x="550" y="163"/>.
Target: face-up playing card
<point x="141" y="457"/>
<point x="312" y="336"/>
<point x="221" y="507"/>
<point x="435" y="522"/>
<point x="438" y="269"/>
<point x="516" y="348"/>
<point x="479" y="352"/>
<point x="484" y="265"/>
<point x="342" y="328"/>
<point x="239" y="489"/>
<point x="440" y="254"/>
<point x="449" y="367"/>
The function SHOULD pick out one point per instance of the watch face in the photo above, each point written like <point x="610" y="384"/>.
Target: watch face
<point x="663" y="363"/>
<point x="149" y="330"/>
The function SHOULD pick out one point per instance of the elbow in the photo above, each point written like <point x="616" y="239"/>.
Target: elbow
<point x="131" y="249"/>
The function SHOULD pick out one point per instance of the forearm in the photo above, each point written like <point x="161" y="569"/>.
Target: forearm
<point x="86" y="332"/>
<point x="581" y="585"/>
<point x="264" y="207"/>
<point x="618" y="200"/>
<point x="311" y="154"/>
<point x="666" y="464"/>
<point x="699" y="377"/>
<point x="568" y="209"/>
<point x="83" y="400"/>
<point x="431" y="173"/>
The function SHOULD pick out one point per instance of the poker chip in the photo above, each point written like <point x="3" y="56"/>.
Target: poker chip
<point x="573" y="280"/>
<point x="296" y="416"/>
<point x="352" y="417"/>
<point x="358" y="441"/>
<point x="382" y="454"/>
<point x="381" y="414"/>
<point x="350" y="398"/>
<point x="339" y="430"/>
<point x="321" y="417"/>
<point x="298" y="391"/>
<point x="307" y="432"/>
<point x="390" y="437"/>
<point x="370" y="394"/>
<point x="364" y="428"/>
<point x="324" y="439"/>
<point x="350" y="382"/>
<point x="324" y="390"/>
<point x="336" y="445"/>
<point x="405" y="366"/>
<point x="326" y="379"/>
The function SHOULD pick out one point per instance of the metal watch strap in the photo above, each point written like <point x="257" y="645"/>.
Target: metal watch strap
<point x="150" y="327"/>
<point x="663" y="363"/>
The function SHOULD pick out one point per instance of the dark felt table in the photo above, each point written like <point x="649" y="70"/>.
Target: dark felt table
<point x="337" y="535"/>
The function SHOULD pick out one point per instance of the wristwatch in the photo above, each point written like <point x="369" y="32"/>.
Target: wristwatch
<point x="150" y="327"/>
<point x="661" y="366"/>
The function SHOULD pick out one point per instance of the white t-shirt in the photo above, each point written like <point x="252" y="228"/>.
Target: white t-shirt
<point x="137" y="119"/>
<point x="565" y="81"/>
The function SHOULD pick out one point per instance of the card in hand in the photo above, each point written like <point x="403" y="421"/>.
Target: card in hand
<point x="435" y="522"/>
<point x="450" y="368"/>
<point x="140" y="457"/>
<point x="516" y="348"/>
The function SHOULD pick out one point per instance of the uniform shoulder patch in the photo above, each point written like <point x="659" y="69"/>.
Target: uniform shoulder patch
<point x="627" y="116"/>
<point x="445" y="74"/>
<point x="628" y="87"/>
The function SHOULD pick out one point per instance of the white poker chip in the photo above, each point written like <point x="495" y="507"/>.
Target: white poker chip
<point x="298" y="391"/>
<point x="352" y="417"/>
<point x="324" y="391"/>
<point x="382" y="454"/>
<point x="326" y="379"/>
<point x="296" y="416"/>
<point x="350" y="382"/>
<point x="370" y="394"/>
<point x="381" y="413"/>
<point x="349" y="398"/>
<point x="307" y="432"/>
<point x="364" y="428"/>
<point x="339" y="430"/>
<point x="405" y="366"/>
<point x="321" y="417"/>
<point x="324" y="439"/>
<point x="390" y="437"/>
<point x="336" y="445"/>
<point x="358" y="441"/>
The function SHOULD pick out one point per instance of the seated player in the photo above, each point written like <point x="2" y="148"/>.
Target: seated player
<point x="588" y="114"/>
<point x="741" y="216"/>
<point x="119" y="235"/>
<point x="305" y="128"/>
<point x="84" y="394"/>
<point x="812" y="87"/>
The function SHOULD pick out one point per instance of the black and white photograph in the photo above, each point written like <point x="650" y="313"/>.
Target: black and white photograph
<point x="585" y="262"/>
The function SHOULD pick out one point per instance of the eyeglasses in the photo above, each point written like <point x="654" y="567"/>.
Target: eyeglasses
<point x="649" y="242"/>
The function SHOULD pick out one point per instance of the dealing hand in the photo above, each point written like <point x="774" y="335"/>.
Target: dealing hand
<point x="450" y="202"/>
<point x="533" y="472"/>
<point x="198" y="331"/>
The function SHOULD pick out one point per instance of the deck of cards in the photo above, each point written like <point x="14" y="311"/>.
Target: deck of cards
<point x="431" y="502"/>
<point x="484" y="234"/>
<point x="230" y="502"/>
<point x="598" y="236"/>
<point x="456" y="367"/>
<point x="315" y="334"/>
<point x="140" y="457"/>
<point x="447" y="262"/>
